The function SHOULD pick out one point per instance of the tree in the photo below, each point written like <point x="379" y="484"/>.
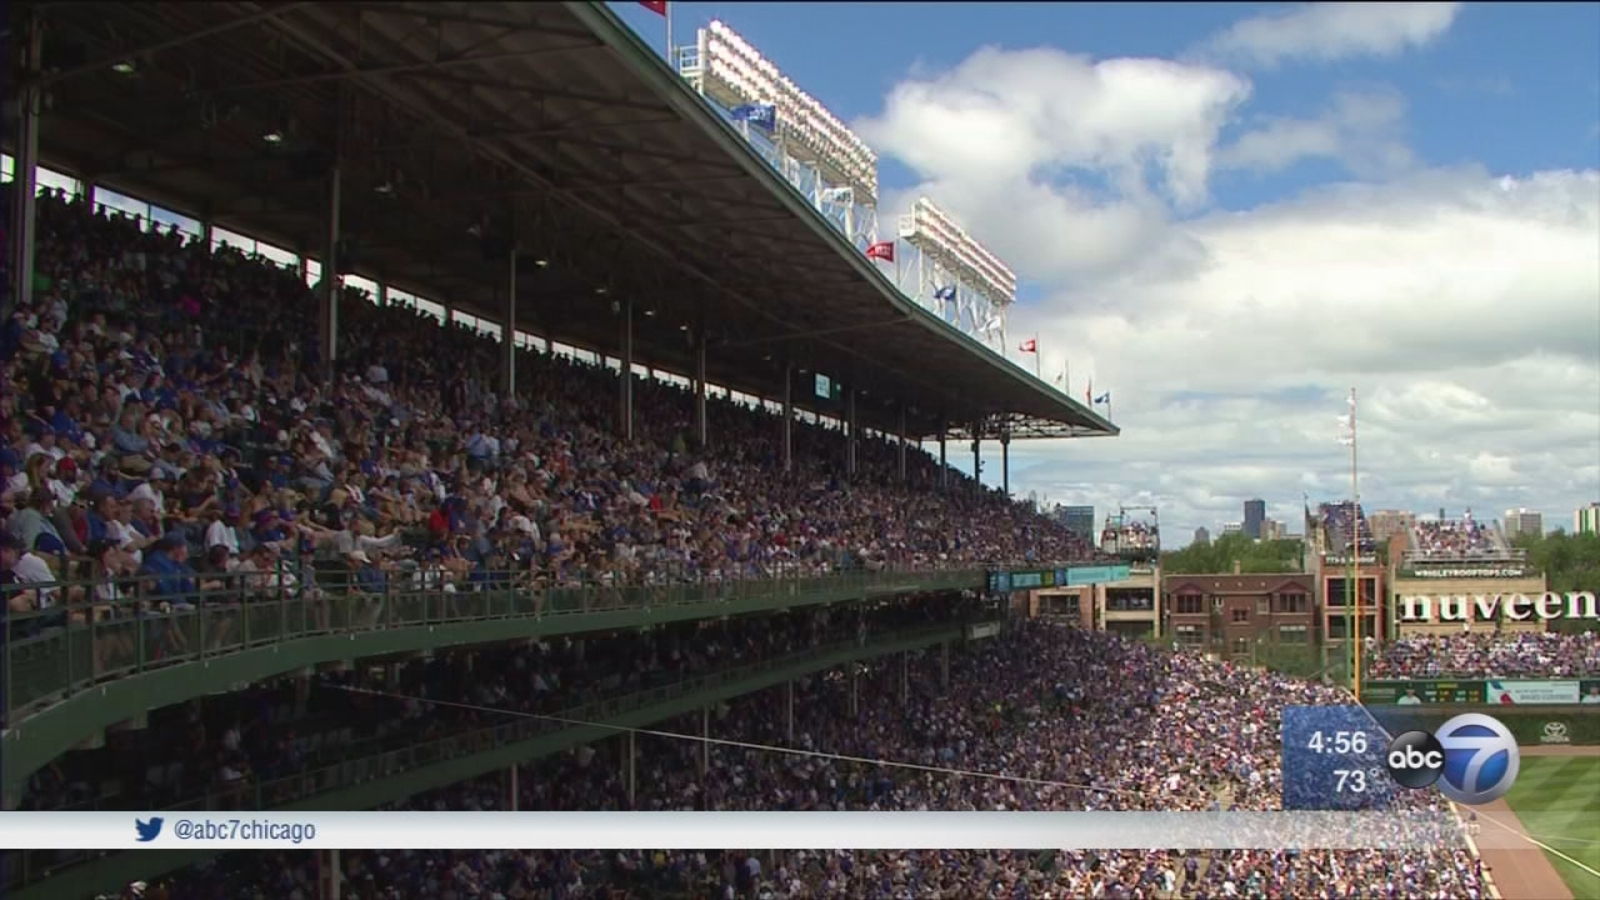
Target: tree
<point x="1570" y="561"/>
<point x="1218" y="557"/>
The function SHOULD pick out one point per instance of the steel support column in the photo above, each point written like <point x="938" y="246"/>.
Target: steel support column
<point x="508" y="377"/>
<point x="1005" y="463"/>
<point x="330" y="876"/>
<point x="903" y="442"/>
<point x="25" y="167"/>
<point x="625" y="398"/>
<point x="632" y="749"/>
<point x="944" y="664"/>
<point x="977" y="462"/>
<point x="851" y="430"/>
<point x="788" y="417"/>
<point x="944" y="462"/>
<point x="701" y="431"/>
<point x="705" y="740"/>
<point x="514" y="790"/>
<point x="331" y="282"/>
<point x="788" y="711"/>
<point x="905" y="678"/>
<point x="855" y="690"/>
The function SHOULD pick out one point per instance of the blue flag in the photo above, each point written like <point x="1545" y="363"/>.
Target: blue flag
<point x="948" y="292"/>
<point x="762" y="115"/>
<point x="1103" y="398"/>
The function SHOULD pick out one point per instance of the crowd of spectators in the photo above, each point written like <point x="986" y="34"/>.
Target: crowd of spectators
<point x="1343" y="522"/>
<point x="165" y="431"/>
<point x="1456" y="538"/>
<point x="1112" y="724"/>
<point x="1540" y="654"/>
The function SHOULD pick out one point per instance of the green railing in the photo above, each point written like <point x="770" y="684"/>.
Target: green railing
<point x="71" y="647"/>
<point x="354" y="783"/>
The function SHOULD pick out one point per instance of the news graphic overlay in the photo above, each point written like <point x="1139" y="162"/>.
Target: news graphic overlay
<point x="1334" y="760"/>
<point x="1473" y="759"/>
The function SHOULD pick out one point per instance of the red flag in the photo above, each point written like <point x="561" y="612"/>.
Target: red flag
<point x="1029" y="346"/>
<point x="659" y="7"/>
<point x="883" y="250"/>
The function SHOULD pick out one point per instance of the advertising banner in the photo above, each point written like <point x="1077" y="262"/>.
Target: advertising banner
<point x="1533" y="693"/>
<point x="1097" y="574"/>
<point x="1509" y="570"/>
<point x="1497" y="691"/>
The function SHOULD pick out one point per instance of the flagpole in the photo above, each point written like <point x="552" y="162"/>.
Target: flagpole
<point x="1355" y="555"/>
<point x="1066" y="377"/>
<point x="670" y="61"/>
<point x="1038" y="358"/>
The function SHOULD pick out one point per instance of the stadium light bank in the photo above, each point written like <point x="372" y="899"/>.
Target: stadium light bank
<point x="1547" y="607"/>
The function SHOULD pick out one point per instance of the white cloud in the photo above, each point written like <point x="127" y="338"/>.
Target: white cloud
<point x="1362" y="130"/>
<point x="1324" y="32"/>
<point x="1463" y="305"/>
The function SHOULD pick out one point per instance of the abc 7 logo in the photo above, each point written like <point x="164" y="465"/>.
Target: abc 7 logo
<point x="1472" y="758"/>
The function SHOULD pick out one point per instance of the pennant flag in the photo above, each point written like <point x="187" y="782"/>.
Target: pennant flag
<point x="948" y="292"/>
<point x="1103" y="398"/>
<point x="1029" y="346"/>
<point x="761" y="115"/>
<point x="1346" y="435"/>
<point x="883" y="250"/>
<point x="1088" y="392"/>
<point x="659" y="7"/>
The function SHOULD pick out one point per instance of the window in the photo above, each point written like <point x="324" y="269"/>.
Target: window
<point x="1293" y="634"/>
<point x="1292" y="603"/>
<point x="1191" y="604"/>
<point x="1241" y="646"/>
<point x="1241" y="615"/>
<point x="1190" y="635"/>
<point x="1263" y="605"/>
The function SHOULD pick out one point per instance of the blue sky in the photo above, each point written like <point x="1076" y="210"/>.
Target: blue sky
<point x="1408" y="162"/>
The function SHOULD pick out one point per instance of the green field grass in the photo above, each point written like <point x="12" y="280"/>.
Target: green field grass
<point x="1558" y="800"/>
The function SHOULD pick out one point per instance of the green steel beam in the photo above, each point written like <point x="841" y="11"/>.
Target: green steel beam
<point x="34" y="741"/>
<point x="111" y="872"/>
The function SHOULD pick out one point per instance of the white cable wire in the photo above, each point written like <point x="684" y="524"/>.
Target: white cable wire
<point x="750" y="745"/>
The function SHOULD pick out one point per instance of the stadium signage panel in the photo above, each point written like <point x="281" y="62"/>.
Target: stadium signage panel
<point x="1506" y="571"/>
<point x="1533" y="693"/>
<point x="1546" y="607"/>
<point x="1339" y="559"/>
<point x="1004" y="581"/>
<point x="1419" y="693"/>
<point x="1497" y="692"/>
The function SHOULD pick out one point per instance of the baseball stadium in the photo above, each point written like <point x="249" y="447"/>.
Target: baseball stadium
<point x="459" y="407"/>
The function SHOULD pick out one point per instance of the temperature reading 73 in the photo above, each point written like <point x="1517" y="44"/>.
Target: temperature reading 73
<point x="1352" y="781"/>
<point x="1340" y="742"/>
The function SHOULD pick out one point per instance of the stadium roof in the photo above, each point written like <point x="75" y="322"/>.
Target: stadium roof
<point x="550" y="124"/>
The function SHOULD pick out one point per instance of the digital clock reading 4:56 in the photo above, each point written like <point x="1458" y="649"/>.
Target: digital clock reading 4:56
<point x="1342" y="743"/>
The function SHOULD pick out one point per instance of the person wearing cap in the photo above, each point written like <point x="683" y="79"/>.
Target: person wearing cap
<point x="224" y="529"/>
<point x="34" y="524"/>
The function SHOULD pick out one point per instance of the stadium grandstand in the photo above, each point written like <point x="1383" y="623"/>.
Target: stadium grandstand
<point x="406" y="404"/>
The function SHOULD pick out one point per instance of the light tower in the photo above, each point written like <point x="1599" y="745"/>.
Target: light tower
<point x="816" y="152"/>
<point x="953" y="276"/>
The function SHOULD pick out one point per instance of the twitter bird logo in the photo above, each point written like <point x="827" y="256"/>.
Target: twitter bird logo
<point x="148" y="831"/>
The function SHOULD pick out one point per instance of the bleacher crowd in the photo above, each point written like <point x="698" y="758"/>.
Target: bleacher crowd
<point x="1544" y="654"/>
<point x="1456" y="538"/>
<point x="1345" y="522"/>
<point x="1111" y="724"/>
<point x="165" y="434"/>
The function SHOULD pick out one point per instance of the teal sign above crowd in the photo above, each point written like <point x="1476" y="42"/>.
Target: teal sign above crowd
<point x="1004" y="581"/>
